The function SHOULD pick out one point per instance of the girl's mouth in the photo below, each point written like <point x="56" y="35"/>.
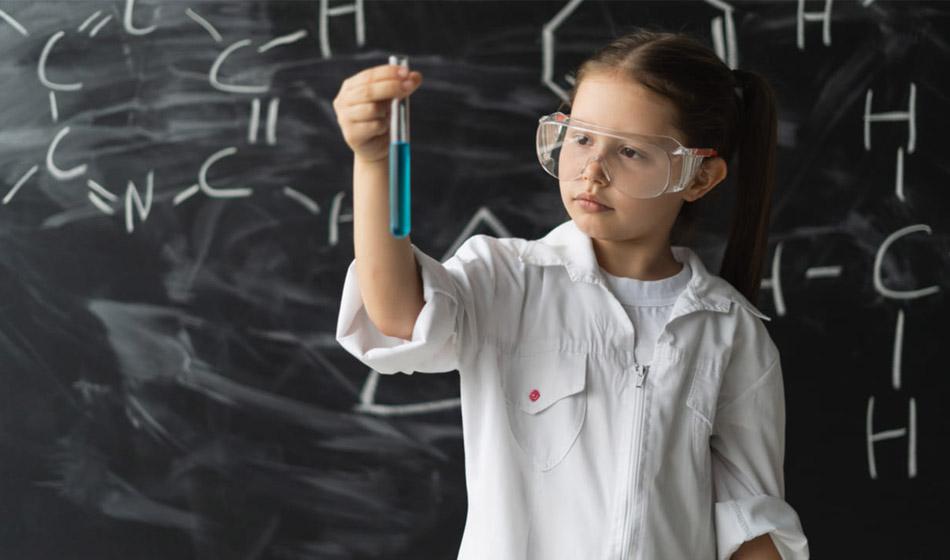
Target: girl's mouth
<point x="590" y="203"/>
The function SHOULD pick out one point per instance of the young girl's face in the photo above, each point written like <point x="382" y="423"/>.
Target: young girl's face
<point x="594" y="203"/>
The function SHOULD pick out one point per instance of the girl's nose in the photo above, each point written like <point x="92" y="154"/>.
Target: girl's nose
<point x="596" y="171"/>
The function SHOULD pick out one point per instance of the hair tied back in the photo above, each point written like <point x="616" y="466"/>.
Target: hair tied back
<point x="742" y="78"/>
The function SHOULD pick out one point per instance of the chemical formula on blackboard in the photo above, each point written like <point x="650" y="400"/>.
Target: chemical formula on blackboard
<point x="175" y="230"/>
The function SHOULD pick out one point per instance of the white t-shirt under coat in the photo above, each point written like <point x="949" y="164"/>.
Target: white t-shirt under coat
<point x="648" y="303"/>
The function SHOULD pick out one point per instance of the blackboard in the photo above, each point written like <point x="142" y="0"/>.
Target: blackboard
<point x="175" y="227"/>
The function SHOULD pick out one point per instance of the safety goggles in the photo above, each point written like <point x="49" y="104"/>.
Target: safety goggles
<point x="638" y="165"/>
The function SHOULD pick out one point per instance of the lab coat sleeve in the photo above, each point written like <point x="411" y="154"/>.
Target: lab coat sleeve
<point x="748" y="448"/>
<point x="434" y="343"/>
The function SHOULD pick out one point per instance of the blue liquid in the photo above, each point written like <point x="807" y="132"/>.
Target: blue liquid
<point x="399" y="189"/>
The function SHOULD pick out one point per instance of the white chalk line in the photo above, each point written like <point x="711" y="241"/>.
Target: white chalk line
<point x="730" y="53"/>
<point x="271" y="131"/>
<point x="724" y="41"/>
<point x="101" y="204"/>
<point x="56" y="172"/>
<point x="368" y="406"/>
<point x="336" y="218"/>
<point x="53" y="108"/>
<point x="482" y="216"/>
<point x="407" y="409"/>
<point x="127" y="21"/>
<point x="824" y="16"/>
<point x="910" y="115"/>
<point x="897" y="356"/>
<point x="879" y="262"/>
<point x="41" y="66"/>
<point x="899" y="178"/>
<point x="778" y="298"/>
<point x="186" y="194"/>
<point x="88" y="21"/>
<point x="100" y="25"/>
<point x="255" y="120"/>
<point x="283" y="40"/>
<point x="303" y="199"/>
<point x="203" y="177"/>
<point x="326" y="12"/>
<point x="132" y="197"/>
<point x="14" y="23"/>
<point x="99" y="189"/>
<point x="205" y="24"/>
<point x="823" y="272"/>
<point x="253" y="127"/>
<point x="548" y="46"/>
<point x="342" y="10"/>
<point x="910" y="432"/>
<point x="216" y="68"/>
<point x="20" y="183"/>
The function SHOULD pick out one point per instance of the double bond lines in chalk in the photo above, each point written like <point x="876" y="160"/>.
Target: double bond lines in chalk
<point x="98" y="26"/>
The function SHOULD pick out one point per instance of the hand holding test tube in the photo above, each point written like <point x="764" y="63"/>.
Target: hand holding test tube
<point x="399" y="160"/>
<point x="385" y="264"/>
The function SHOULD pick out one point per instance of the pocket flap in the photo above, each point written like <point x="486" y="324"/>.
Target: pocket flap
<point x="533" y="383"/>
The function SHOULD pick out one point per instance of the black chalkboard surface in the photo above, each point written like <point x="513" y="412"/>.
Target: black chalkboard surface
<point x="175" y="228"/>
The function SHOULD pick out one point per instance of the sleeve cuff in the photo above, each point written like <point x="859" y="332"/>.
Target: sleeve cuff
<point x="738" y="521"/>
<point x="432" y="347"/>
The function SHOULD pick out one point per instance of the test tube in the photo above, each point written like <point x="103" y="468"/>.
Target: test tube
<point x="399" y="160"/>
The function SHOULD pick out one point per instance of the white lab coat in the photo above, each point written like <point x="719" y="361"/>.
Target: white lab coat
<point x="572" y="449"/>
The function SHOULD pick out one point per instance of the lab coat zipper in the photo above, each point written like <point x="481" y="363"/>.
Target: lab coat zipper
<point x="636" y="447"/>
<point x="642" y="375"/>
<point x="633" y="468"/>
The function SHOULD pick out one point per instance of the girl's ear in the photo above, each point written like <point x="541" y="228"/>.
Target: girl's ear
<point x="711" y="173"/>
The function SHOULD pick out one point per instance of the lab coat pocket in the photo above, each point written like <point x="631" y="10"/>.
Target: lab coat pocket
<point x="546" y="403"/>
<point x="702" y="399"/>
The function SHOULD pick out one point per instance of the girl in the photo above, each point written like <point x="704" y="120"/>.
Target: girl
<point x="618" y="400"/>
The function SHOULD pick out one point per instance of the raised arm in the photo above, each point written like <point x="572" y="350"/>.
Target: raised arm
<point x="385" y="266"/>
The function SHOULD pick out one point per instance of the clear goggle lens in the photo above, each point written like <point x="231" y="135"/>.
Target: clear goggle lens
<point x="640" y="166"/>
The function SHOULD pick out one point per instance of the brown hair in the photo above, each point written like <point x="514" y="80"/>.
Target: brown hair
<point x="731" y="111"/>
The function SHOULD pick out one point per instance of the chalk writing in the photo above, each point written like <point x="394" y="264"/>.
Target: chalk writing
<point x="823" y="16"/>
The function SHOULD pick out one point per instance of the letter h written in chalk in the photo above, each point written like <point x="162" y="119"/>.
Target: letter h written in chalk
<point x="910" y="432"/>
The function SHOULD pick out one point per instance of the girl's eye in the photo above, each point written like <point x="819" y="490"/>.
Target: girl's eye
<point x="631" y="153"/>
<point x="581" y="139"/>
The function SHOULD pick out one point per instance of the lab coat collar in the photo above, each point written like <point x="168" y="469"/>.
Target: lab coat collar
<point x="568" y="246"/>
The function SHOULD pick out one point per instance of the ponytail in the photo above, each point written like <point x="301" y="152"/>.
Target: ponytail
<point x="744" y="260"/>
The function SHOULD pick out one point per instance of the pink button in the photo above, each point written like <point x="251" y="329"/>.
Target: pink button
<point x="534" y="395"/>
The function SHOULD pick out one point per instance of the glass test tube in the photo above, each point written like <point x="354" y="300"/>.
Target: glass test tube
<point x="399" y="160"/>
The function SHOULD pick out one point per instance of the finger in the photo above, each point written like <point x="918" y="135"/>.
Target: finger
<point x="370" y="92"/>
<point x="374" y="74"/>
<point x="380" y="83"/>
<point x="362" y="132"/>
<point x="383" y="90"/>
<point x="363" y="112"/>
